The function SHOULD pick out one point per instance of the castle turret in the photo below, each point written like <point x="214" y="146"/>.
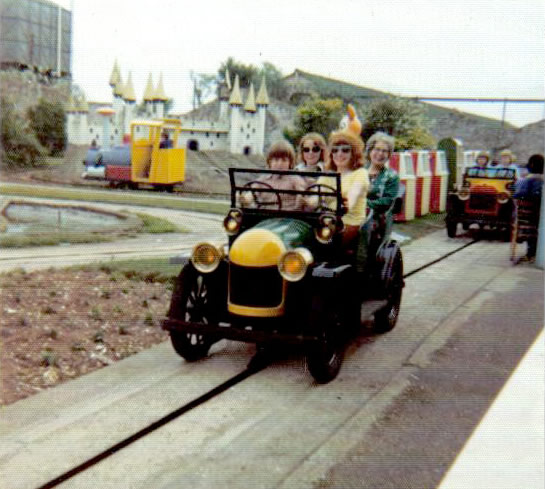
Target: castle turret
<point x="148" y="96"/>
<point x="249" y="106"/>
<point x="115" y="76"/>
<point x="236" y="130"/>
<point x="262" y="101"/>
<point x="129" y="98"/>
<point x="160" y="99"/>
<point x="223" y="96"/>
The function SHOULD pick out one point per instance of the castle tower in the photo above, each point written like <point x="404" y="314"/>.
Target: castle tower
<point x="115" y="76"/>
<point x="77" y="121"/>
<point x="118" y="105"/>
<point x="129" y="98"/>
<point x="223" y="96"/>
<point x="236" y="130"/>
<point x="262" y="101"/>
<point x="160" y="99"/>
<point x="148" y="96"/>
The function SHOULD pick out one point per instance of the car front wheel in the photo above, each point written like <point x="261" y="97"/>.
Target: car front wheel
<point x="191" y="302"/>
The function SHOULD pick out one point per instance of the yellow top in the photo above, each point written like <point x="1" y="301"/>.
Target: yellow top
<point x="235" y="98"/>
<point x="351" y="180"/>
<point x="262" y="95"/>
<point x="160" y="91"/>
<point x="128" y="92"/>
<point x="148" y="92"/>
<point x="249" y="106"/>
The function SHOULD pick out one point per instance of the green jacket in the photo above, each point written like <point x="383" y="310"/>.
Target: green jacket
<point x="384" y="189"/>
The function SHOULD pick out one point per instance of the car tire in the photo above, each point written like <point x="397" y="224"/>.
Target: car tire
<point x="386" y="318"/>
<point x="452" y="227"/>
<point x="324" y="357"/>
<point x="191" y="302"/>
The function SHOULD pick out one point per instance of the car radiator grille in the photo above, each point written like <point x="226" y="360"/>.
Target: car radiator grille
<point x="255" y="286"/>
<point x="482" y="202"/>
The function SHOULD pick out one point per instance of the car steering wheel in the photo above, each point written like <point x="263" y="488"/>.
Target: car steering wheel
<point x="319" y="187"/>
<point x="260" y="198"/>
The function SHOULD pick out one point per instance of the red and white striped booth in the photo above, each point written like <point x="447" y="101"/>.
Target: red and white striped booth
<point x="439" y="181"/>
<point x="402" y="163"/>
<point x="422" y="170"/>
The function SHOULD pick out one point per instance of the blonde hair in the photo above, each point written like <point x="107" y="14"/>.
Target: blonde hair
<point x="281" y="149"/>
<point x="347" y="137"/>
<point x="319" y="140"/>
<point x="379" y="137"/>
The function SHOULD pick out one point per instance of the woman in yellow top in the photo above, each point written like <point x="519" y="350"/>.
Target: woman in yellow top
<point x="346" y="150"/>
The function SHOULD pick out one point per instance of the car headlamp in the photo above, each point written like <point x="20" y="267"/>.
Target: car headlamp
<point x="503" y="197"/>
<point x="463" y="194"/>
<point x="232" y="222"/>
<point x="293" y="264"/>
<point x="206" y="257"/>
<point x="326" y="228"/>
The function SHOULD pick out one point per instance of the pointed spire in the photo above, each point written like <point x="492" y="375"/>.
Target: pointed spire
<point x="149" y="92"/>
<point x="115" y="76"/>
<point x="119" y="87"/>
<point x="235" y="98"/>
<point x="228" y="79"/>
<point x="160" y="91"/>
<point x="128" y="92"/>
<point x="262" y="95"/>
<point x="249" y="106"/>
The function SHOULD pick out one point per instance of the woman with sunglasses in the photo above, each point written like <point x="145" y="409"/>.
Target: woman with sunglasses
<point x="312" y="153"/>
<point x="384" y="182"/>
<point x="346" y="150"/>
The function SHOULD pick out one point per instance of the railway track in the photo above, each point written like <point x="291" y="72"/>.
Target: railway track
<point x="251" y="370"/>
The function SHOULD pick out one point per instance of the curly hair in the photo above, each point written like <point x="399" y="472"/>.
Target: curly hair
<point x="379" y="137"/>
<point x="281" y="149"/>
<point x="319" y="140"/>
<point x="346" y="137"/>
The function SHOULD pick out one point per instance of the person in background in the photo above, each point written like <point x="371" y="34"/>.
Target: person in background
<point x="166" y="142"/>
<point x="507" y="160"/>
<point x="530" y="188"/>
<point x="483" y="159"/>
<point x="312" y="153"/>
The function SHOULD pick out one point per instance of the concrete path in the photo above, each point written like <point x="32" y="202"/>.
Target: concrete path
<point x="472" y="312"/>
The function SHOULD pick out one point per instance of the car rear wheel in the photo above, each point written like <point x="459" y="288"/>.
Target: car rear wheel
<point x="451" y="228"/>
<point x="191" y="303"/>
<point x="325" y="356"/>
<point x="386" y="318"/>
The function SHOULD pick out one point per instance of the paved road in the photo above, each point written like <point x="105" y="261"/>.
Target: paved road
<point x="400" y="411"/>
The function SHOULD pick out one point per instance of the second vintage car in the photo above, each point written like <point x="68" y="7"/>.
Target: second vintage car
<point x="484" y="199"/>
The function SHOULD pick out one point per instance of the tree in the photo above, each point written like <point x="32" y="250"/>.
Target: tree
<point x="400" y="118"/>
<point x="19" y="146"/>
<point x="48" y="123"/>
<point x="251" y="74"/>
<point x="316" y="115"/>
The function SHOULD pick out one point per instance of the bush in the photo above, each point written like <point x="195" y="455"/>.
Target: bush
<point x="19" y="146"/>
<point x="48" y="123"/>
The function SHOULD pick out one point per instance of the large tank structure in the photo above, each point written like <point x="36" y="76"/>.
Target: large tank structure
<point x="36" y="35"/>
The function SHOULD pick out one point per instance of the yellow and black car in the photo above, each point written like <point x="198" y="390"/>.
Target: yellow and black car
<point x="483" y="199"/>
<point x="283" y="278"/>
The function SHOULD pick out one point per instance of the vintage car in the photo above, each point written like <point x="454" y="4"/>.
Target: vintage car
<point x="483" y="199"/>
<point x="283" y="278"/>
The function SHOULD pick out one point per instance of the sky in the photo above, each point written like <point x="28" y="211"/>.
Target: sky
<point x="440" y="48"/>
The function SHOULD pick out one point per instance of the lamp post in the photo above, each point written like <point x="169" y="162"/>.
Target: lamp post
<point x="106" y="113"/>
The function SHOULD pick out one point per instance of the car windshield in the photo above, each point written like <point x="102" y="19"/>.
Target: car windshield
<point x="491" y="172"/>
<point x="289" y="191"/>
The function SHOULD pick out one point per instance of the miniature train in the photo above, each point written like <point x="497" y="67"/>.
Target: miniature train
<point x="152" y="158"/>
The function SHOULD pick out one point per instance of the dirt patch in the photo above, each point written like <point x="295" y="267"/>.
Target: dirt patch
<point x="56" y="325"/>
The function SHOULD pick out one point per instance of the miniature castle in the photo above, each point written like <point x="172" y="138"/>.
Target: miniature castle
<point x="239" y="127"/>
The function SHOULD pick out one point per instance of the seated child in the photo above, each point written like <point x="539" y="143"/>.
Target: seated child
<point x="281" y="156"/>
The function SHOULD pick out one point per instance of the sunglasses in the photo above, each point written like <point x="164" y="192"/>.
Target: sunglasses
<point x="314" y="149"/>
<point x="345" y="148"/>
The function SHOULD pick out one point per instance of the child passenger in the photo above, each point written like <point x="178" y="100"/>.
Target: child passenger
<point x="281" y="157"/>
